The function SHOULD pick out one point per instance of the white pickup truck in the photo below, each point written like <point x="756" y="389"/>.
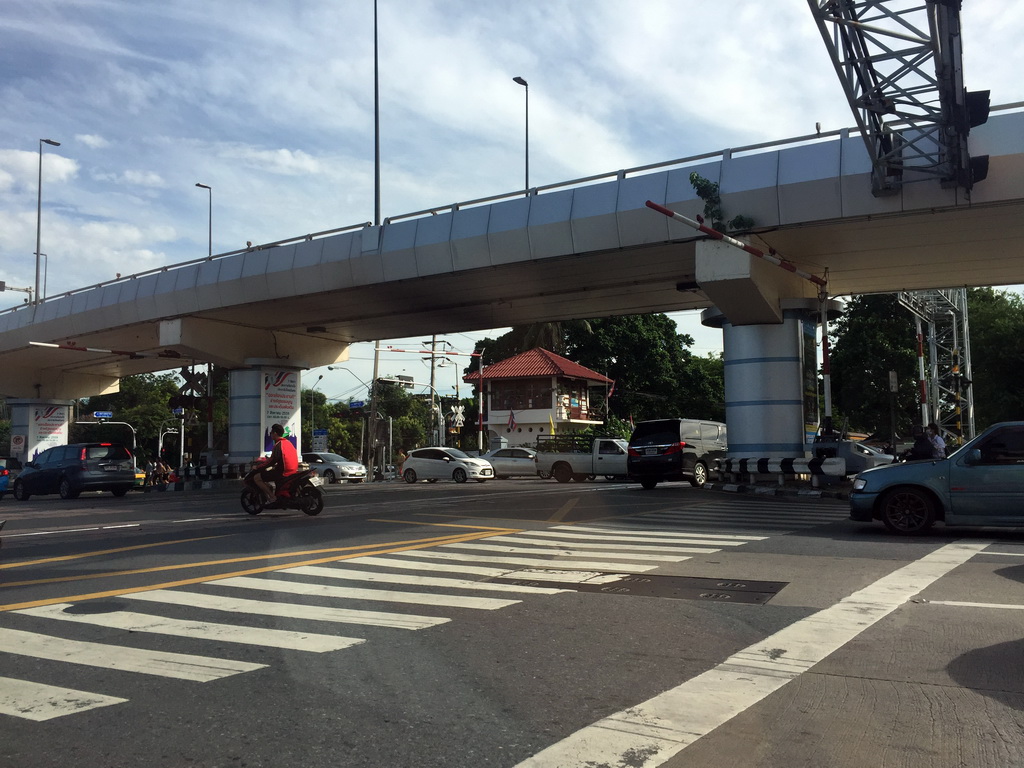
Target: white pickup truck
<point x="567" y="457"/>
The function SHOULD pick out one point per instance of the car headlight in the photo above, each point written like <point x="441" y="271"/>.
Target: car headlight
<point x="859" y="483"/>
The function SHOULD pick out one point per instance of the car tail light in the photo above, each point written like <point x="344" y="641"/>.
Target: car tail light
<point x="82" y="456"/>
<point x="674" y="448"/>
<point x="4" y="472"/>
<point x="634" y="452"/>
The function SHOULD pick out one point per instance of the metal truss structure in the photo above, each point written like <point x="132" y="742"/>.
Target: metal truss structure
<point x="946" y="393"/>
<point x="899" y="62"/>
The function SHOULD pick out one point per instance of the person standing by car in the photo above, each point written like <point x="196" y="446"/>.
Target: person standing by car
<point x="284" y="461"/>
<point x="400" y="461"/>
<point x="922" y="448"/>
<point x="937" y="443"/>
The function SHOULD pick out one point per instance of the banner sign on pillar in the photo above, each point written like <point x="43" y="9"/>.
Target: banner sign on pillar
<point x="47" y="427"/>
<point x="810" y="379"/>
<point x="280" y="405"/>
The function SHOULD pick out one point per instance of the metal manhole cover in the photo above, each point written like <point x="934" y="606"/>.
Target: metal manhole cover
<point x="644" y="585"/>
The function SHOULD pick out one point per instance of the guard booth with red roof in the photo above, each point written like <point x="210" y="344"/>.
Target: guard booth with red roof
<point x="538" y="393"/>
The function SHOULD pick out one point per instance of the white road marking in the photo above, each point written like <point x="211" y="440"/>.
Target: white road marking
<point x="666" y="724"/>
<point x="1003" y="606"/>
<point x="385" y="595"/>
<point x="391" y="562"/>
<point x="39" y="702"/>
<point x="225" y="633"/>
<point x="536" y="541"/>
<point x="287" y="610"/>
<point x="177" y="665"/>
<point x="620" y="541"/>
<point x="574" y="550"/>
<point x="341" y="572"/>
<point x="633" y="531"/>
<point x="539" y="562"/>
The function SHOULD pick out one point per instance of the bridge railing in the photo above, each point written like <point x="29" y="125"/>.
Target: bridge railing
<point x="620" y="174"/>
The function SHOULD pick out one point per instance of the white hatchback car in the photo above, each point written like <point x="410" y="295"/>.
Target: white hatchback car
<point x="433" y="464"/>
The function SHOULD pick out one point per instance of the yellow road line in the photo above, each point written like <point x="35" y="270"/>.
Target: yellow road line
<point x="181" y="566"/>
<point x="565" y="509"/>
<point x="451" y="525"/>
<point x="99" y="552"/>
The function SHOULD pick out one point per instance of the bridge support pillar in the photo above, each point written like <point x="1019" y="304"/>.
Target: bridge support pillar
<point x="37" y="425"/>
<point x="264" y="394"/>
<point x="769" y="319"/>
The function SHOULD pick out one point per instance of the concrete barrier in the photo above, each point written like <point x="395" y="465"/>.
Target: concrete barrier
<point x="783" y="467"/>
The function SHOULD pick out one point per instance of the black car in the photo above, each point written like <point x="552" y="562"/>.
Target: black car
<point x="71" y="469"/>
<point x="675" y="449"/>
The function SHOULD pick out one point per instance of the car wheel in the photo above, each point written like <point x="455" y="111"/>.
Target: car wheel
<point x="562" y="473"/>
<point x="66" y="490"/>
<point x="410" y="476"/>
<point x="119" y="492"/>
<point x="907" y="511"/>
<point x="19" y="491"/>
<point x="579" y="477"/>
<point x="700" y="475"/>
<point x="648" y="484"/>
<point x="543" y="475"/>
<point x="329" y="477"/>
<point x="459" y="475"/>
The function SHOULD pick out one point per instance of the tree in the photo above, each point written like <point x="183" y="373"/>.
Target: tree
<point x="875" y="335"/>
<point x="996" y="320"/>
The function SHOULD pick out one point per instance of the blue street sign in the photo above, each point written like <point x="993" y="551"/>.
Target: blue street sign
<point x="178" y="411"/>
<point x="356" y="403"/>
<point x="103" y="414"/>
<point x="322" y="432"/>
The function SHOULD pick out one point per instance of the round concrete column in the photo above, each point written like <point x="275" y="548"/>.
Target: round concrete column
<point x="771" y="381"/>
<point x="37" y="425"/>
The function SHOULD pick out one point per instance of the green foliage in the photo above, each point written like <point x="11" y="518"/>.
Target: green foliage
<point x="709" y="192"/>
<point x="996" y="320"/>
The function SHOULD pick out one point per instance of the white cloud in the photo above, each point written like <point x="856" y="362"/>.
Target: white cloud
<point x="92" y="141"/>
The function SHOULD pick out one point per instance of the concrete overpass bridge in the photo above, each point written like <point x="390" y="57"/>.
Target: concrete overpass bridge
<point x="584" y="248"/>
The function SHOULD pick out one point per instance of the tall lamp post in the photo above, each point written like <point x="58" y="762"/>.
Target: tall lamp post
<point x="526" y="85"/>
<point x="312" y="412"/>
<point x="210" y="217"/>
<point x="39" y="211"/>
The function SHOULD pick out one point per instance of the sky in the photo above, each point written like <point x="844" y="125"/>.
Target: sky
<point x="272" y="106"/>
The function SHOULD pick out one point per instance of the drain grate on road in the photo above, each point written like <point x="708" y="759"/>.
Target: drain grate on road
<point x="644" y="585"/>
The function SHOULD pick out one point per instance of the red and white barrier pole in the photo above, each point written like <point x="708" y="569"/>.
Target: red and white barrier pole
<point x="821" y="282"/>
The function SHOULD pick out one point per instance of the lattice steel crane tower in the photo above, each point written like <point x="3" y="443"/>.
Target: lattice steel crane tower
<point x="899" y="62"/>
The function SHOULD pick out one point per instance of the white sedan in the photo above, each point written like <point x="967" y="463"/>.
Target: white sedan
<point x="512" y="461"/>
<point x="433" y="464"/>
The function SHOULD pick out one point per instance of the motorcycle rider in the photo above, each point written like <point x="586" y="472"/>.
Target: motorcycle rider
<point x="284" y="461"/>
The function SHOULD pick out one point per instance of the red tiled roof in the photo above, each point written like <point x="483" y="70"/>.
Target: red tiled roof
<point x="536" y="363"/>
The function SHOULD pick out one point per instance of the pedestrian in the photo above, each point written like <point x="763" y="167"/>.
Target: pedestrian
<point x="922" y="449"/>
<point x="150" y="471"/>
<point x="937" y="443"/>
<point x="400" y="460"/>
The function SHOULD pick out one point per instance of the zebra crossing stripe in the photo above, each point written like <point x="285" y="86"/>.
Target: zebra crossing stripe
<point x="588" y="545"/>
<point x="39" y="702"/>
<point x="176" y="665"/>
<point x="225" y="633"/>
<point x="632" y="533"/>
<point x="621" y="541"/>
<point x="538" y="562"/>
<point x="496" y="549"/>
<point x="341" y="572"/>
<point x="393" y="562"/>
<point x="288" y="610"/>
<point x="385" y="595"/>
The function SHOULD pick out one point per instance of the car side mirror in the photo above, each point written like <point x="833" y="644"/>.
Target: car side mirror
<point x="973" y="456"/>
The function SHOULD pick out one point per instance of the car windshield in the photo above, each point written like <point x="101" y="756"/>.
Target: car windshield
<point x="118" y="452"/>
<point x="333" y="457"/>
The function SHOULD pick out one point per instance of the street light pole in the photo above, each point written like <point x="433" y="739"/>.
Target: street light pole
<point x="312" y="412"/>
<point x="210" y="217"/>
<point x="526" y="85"/>
<point x="39" y="211"/>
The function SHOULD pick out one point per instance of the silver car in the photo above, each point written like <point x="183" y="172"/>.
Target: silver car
<point x="512" y="461"/>
<point x="334" y="468"/>
<point x="433" y="464"/>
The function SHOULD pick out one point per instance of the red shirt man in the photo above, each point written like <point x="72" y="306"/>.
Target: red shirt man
<point x="284" y="461"/>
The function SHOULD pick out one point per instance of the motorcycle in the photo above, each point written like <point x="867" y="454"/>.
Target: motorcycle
<point x="296" y="491"/>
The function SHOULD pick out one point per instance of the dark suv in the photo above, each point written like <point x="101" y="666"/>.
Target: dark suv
<point x="675" y="449"/>
<point x="71" y="469"/>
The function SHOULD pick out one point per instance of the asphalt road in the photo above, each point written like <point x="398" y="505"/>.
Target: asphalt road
<point x="513" y="624"/>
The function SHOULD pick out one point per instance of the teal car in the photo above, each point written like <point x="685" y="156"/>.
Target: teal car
<point x="982" y="483"/>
